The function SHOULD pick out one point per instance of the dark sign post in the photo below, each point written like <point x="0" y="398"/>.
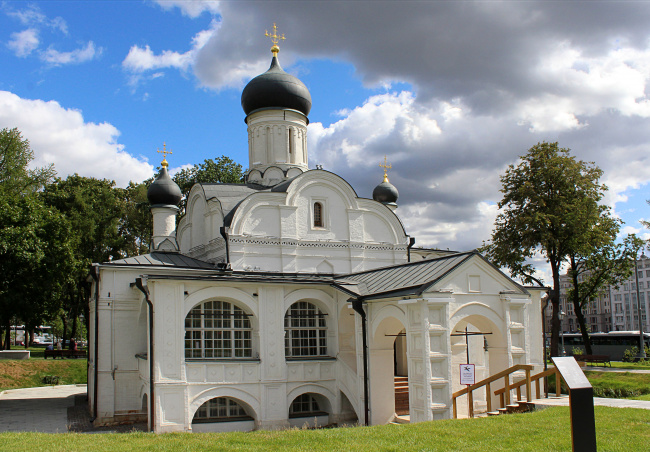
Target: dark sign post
<point x="581" y="401"/>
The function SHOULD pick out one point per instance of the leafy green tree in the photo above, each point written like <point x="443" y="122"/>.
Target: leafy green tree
<point x="222" y="169"/>
<point x="93" y="209"/>
<point x="546" y="199"/>
<point x="137" y="223"/>
<point x="597" y="264"/>
<point x="33" y="237"/>
<point x="15" y="155"/>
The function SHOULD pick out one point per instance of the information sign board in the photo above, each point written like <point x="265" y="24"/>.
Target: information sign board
<point x="467" y="374"/>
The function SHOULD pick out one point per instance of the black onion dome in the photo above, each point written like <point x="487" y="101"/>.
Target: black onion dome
<point x="385" y="193"/>
<point x="164" y="190"/>
<point x="276" y="89"/>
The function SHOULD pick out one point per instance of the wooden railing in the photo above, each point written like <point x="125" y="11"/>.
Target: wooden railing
<point x="505" y="374"/>
<point x="536" y="379"/>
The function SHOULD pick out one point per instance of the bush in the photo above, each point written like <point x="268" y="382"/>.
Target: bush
<point x="631" y="353"/>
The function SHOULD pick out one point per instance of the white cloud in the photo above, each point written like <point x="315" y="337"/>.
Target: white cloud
<point x="191" y="8"/>
<point x="140" y="60"/>
<point x="32" y="15"/>
<point x="579" y="85"/>
<point x="81" y="55"/>
<point x="61" y="136"/>
<point x="382" y="118"/>
<point x="24" y="42"/>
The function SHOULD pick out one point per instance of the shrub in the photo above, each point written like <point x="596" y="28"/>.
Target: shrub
<point x="631" y="353"/>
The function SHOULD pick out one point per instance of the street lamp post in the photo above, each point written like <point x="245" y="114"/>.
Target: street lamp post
<point x="560" y="315"/>
<point x="641" y="355"/>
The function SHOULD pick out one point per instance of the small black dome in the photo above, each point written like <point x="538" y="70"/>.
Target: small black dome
<point x="164" y="190"/>
<point x="385" y="193"/>
<point x="276" y="89"/>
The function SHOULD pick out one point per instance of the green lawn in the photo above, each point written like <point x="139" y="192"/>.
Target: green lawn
<point x="547" y="430"/>
<point x="30" y="373"/>
<point x="645" y="365"/>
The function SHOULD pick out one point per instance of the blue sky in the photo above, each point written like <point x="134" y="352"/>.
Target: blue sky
<point x="451" y="92"/>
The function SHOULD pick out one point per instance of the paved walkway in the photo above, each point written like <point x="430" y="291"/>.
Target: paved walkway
<point x="598" y="401"/>
<point x="37" y="409"/>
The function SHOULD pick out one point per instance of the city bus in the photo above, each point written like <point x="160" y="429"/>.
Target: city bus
<point x="612" y="344"/>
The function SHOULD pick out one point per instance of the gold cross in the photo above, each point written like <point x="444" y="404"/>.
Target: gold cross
<point x="275" y="38"/>
<point x="386" y="166"/>
<point x="164" y="152"/>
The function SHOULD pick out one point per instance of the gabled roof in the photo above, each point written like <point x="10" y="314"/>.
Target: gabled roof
<point x="176" y="260"/>
<point x="411" y="278"/>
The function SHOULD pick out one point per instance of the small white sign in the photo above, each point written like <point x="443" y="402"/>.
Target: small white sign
<point x="467" y="374"/>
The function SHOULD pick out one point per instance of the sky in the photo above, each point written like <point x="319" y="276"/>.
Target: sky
<point x="450" y="92"/>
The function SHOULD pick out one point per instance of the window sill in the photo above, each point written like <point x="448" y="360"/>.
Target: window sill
<point x="222" y="419"/>
<point x="308" y="415"/>
<point x="311" y="358"/>
<point x="222" y="360"/>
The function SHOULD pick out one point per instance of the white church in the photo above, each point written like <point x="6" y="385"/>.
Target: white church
<point x="289" y="300"/>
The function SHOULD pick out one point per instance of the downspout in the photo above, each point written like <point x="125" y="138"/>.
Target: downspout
<point x="408" y="248"/>
<point x="357" y="305"/>
<point x="95" y="275"/>
<point x="145" y="291"/>
<point x="544" y="306"/>
<point x="224" y="234"/>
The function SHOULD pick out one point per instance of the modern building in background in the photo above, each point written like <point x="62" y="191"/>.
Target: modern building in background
<point x="614" y="309"/>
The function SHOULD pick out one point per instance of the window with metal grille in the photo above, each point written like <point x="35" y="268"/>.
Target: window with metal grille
<point x="305" y="331"/>
<point x="219" y="410"/>
<point x="304" y="405"/>
<point x="218" y="329"/>
<point x="318" y="215"/>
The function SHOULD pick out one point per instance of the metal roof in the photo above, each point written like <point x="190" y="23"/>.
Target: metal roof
<point x="162" y="260"/>
<point x="410" y="278"/>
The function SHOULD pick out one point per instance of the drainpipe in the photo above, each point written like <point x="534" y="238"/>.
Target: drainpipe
<point x="145" y="290"/>
<point x="357" y="305"/>
<point x="408" y="248"/>
<point x="224" y="234"/>
<point x="95" y="275"/>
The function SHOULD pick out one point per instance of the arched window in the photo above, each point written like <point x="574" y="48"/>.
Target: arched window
<point x="304" y="405"/>
<point x="318" y="215"/>
<point x="218" y="329"/>
<point x="221" y="409"/>
<point x="305" y="331"/>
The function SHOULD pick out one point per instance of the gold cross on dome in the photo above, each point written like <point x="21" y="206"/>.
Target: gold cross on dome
<point x="164" y="152"/>
<point x="386" y="166"/>
<point x="275" y="38"/>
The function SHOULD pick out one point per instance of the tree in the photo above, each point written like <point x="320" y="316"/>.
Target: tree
<point x="137" y="223"/>
<point x="15" y="155"/>
<point x="93" y="209"/>
<point x="33" y="237"/>
<point x="598" y="263"/>
<point x="222" y="169"/>
<point x="547" y="199"/>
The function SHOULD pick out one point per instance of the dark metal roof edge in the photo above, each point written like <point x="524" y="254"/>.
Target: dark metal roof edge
<point x="241" y="278"/>
<point x="408" y="264"/>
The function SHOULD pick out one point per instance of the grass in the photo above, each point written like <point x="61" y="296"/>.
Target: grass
<point x="548" y="430"/>
<point x="613" y="384"/>
<point x="15" y="374"/>
<point x="643" y="365"/>
<point x="618" y="384"/>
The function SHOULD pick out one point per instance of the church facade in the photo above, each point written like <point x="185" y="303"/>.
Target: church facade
<point x="289" y="300"/>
